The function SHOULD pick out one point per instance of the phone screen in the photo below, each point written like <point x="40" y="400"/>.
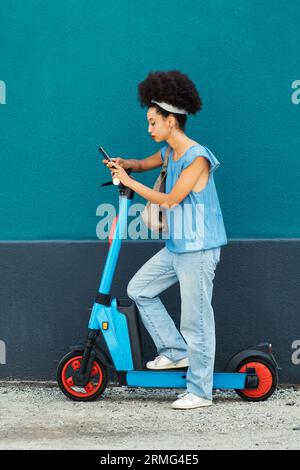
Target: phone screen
<point x="107" y="157"/>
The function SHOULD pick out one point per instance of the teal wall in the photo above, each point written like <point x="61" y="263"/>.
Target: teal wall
<point x="71" y="69"/>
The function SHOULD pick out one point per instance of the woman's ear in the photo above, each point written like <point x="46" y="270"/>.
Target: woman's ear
<point x="171" y="120"/>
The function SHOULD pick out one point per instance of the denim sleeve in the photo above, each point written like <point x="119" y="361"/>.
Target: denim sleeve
<point x="201" y="152"/>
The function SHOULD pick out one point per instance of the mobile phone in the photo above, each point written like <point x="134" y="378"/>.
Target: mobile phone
<point x="107" y="157"/>
<point x="116" y="181"/>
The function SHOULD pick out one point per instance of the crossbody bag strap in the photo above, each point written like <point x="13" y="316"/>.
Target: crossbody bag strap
<point x="166" y="159"/>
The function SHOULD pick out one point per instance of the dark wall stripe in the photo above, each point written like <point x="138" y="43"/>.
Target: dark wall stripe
<point x="47" y="289"/>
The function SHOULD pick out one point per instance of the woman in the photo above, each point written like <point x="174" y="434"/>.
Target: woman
<point x="192" y="251"/>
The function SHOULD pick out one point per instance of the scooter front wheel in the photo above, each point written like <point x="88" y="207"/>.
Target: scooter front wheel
<point x="267" y="379"/>
<point x="65" y="372"/>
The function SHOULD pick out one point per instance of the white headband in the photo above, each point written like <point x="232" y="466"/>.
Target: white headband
<point x="170" y="108"/>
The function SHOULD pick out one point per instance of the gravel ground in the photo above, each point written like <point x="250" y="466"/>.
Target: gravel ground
<point x="38" y="416"/>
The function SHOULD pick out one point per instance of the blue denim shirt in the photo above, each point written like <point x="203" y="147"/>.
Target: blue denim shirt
<point x="197" y="222"/>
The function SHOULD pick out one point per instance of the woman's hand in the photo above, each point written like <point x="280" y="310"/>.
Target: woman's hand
<point x="119" y="172"/>
<point x="121" y="161"/>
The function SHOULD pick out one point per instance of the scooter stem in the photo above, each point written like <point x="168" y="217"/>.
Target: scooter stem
<point x="113" y="254"/>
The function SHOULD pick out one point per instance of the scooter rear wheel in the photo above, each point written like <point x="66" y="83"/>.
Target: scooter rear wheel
<point x="267" y="376"/>
<point x="65" y="371"/>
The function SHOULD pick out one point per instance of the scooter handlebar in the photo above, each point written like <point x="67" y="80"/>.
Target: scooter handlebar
<point x="115" y="181"/>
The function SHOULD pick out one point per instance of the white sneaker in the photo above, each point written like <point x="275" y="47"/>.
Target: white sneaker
<point x="187" y="401"/>
<point x="162" y="362"/>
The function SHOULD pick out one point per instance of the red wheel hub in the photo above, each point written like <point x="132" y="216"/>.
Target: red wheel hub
<point x="264" y="377"/>
<point x="67" y="378"/>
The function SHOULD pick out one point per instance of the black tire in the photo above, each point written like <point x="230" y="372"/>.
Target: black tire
<point x="270" y="387"/>
<point x="61" y="378"/>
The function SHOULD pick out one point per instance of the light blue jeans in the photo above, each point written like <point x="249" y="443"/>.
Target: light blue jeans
<point x="195" y="272"/>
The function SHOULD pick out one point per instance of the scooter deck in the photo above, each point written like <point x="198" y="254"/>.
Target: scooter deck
<point x="177" y="379"/>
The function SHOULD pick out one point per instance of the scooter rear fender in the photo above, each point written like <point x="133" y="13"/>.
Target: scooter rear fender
<point x="261" y="350"/>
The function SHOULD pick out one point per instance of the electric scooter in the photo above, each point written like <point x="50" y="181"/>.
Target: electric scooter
<point x="84" y="373"/>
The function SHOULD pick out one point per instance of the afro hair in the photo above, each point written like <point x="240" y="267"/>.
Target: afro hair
<point x="172" y="87"/>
